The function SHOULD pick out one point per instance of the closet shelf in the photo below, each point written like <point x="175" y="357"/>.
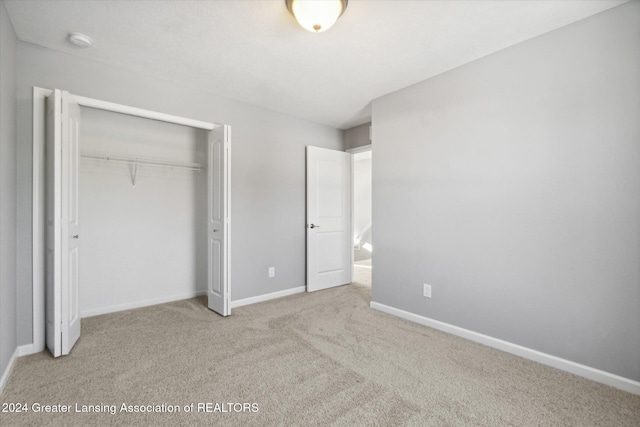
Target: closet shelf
<point x="140" y="160"/>
<point x="136" y="161"/>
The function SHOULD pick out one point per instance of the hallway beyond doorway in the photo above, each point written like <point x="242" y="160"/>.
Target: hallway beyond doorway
<point x="362" y="272"/>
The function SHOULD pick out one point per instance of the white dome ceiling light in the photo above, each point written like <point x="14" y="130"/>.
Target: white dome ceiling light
<point x="316" y="15"/>
<point x="80" y="40"/>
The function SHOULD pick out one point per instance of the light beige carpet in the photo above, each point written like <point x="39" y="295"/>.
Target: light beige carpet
<point x="310" y="359"/>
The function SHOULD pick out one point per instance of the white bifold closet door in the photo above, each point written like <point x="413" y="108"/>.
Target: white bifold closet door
<point x="218" y="219"/>
<point x="63" y="226"/>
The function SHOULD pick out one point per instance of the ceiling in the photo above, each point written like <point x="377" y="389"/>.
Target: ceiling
<point x="254" y="51"/>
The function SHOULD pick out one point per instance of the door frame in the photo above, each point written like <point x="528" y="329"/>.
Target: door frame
<point x="39" y="202"/>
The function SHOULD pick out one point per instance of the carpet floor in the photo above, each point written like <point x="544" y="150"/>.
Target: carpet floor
<point x="324" y="358"/>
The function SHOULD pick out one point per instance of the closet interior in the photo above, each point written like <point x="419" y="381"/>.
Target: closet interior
<point x="143" y="209"/>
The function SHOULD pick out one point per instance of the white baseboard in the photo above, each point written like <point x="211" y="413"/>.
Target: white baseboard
<point x="145" y="303"/>
<point x="267" y="297"/>
<point x="22" y="350"/>
<point x="25" y="350"/>
<point x="607" y="378"/>
<point x="7" y="370"/>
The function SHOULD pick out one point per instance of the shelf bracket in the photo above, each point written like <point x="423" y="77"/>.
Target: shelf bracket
<point x="134" y="172"/>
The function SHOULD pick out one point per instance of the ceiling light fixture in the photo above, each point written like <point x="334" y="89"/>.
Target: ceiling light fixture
<point x="316" y="15"/>
<point x="80" y="40"/>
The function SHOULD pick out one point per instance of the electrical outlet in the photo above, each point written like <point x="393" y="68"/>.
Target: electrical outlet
<point x="426" y="290"/>
<point x="272" y="272"/>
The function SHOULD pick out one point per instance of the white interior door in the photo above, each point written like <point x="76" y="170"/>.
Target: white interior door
<point x="219" y="230"/>
<point x="63" y="226"/>
<point x="329" y="240"/>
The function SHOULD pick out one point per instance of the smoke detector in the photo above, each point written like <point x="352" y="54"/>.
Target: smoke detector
<point x="80" y="40"/>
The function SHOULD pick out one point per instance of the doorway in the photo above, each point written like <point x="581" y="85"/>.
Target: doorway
<point x="362" y="218"/>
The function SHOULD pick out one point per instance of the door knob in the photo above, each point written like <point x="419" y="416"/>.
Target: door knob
<point x="76" y="236"/>
<point x="313" y="226"/>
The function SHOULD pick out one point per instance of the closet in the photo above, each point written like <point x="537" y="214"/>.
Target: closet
<point x="137" y="212"/>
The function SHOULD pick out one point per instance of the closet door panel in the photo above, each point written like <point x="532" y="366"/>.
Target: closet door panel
<point x="63" y="223"/>
<point x="218" y="220"/>
<point x="70" y="222"/>
<point x="53" y="277"/>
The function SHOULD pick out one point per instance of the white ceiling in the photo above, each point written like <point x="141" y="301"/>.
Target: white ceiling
<point x="254" y="51"/>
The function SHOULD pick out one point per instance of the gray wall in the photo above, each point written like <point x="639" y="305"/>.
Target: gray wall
<point x="268" y="166"/>
<point x="357" y="136"/>
<point x="145" y="243"/>
<point x="8" y="316"/>
<point x="517" y="177"/>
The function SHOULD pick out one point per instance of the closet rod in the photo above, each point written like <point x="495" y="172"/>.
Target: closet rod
<point x="141" y="161"/>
